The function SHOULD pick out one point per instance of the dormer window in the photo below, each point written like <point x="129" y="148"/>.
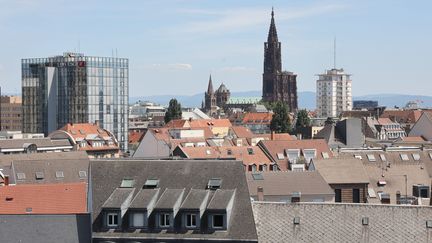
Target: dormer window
<point x="164" y="220"/>
<point x="191" y="220"/>
<point x="151" y="183"/>
<point x="214" y="183"/>
<point x="112" y="219"/>
<point x="218" y="221"/>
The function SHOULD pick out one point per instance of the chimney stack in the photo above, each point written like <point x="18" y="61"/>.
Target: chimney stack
<point x="260" y="193"/>
<point x="6" y="180"/>
<point x="272" y="135"/>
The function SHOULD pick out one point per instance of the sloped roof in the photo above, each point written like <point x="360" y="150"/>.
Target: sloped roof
<point x="278" y="183"/>
<point x="341" y="171"/>
<point x="44" y="199"/>
<point x="210" y="123"/>
<point x="257" y="118"/>
<point x="242" y="132"/>
<point x="135" y="137"/>
<point x="81" y="130"/>
<point x="340" y="222"/>
<point x="402" y="116"/>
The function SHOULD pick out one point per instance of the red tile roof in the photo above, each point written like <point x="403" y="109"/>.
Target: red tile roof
<point x="135" y="137"/>
<point x="257" y="117"/>
<point x="178" y="123"/>
<point x="242" y="132"/>
<point x="210" y="123"/>
<point x="44" y="199"/>
<point x="402" y="116"/>
<point x="413" y="139"/>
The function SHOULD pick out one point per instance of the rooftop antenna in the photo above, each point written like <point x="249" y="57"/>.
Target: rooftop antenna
<point x="116" y="53"/>
<point x="334" y="53"/>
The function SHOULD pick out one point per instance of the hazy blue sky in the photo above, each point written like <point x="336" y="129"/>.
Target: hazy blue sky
<point x="173" y="46"/>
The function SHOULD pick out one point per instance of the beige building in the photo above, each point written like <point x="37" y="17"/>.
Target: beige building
<point x="333" y="93"/>
<point x="10" y="113"/>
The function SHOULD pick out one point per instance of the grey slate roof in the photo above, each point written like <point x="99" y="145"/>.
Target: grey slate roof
<point x="144" y="197"/>
<point x="118" y="197"/>
<point x="173" y="174"/>
<point x="45" y="228"/>
<point x="321" y="222"/>
<point x="39" y="142"/>
<point x="221" y="199"/>
<point x="194" y="199"/>
<point x="169" y="197"/>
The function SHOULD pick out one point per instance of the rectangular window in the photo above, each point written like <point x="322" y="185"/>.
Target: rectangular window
<point x="218" y="221"/>
<point x="191" y="220"/>
<point x="164" y="220"/>
<point x="112" y="220"/>
<point x="138" y="219"/>
<point x="356" y="195"/>
<point x="338" y="195"/>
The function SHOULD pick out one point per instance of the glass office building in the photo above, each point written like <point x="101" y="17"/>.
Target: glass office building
<point x="74" y="88"/>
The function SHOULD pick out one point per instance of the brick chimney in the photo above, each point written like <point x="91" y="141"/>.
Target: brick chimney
<point x="260" y="193"/>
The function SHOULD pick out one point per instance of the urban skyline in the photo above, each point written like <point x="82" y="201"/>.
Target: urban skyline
<point x="173" y="47"/>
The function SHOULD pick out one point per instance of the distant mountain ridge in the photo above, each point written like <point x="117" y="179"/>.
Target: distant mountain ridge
<point x="306" y="99"/>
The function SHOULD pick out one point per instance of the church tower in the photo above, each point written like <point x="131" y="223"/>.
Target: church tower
<point x="278" y="85"/>
<point x="210" y="98"/>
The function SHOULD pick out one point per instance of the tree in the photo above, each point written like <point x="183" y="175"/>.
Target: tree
<point x="303" y="119"/>
<point x="173" y="112"/>
<point x="280" y="122"/>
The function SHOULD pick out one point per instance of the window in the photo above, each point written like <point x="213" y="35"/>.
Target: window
<point x="191" y="221"/>
<point x="358" y="156"/>
<point x="214" y="183"/>
<point x="383" y="158"/>
<point x="127" y="183"/>
<point x="218" y="221"/>
<point x="404" y="157"/>
<point x="356" y="195"/>
<point x="416" y="157"/>
<point x="21" y="176"/>
<point x="39" y="175"/>
<point x="229" y="152"/>
<point x="112" y="219"/>
<point x="151" y="183"/>
<point x="82" y="174"/>
<point x="325" y="155"/>
<point x="59" y="174"/>
<point x="292" y="154"/>
<point x="257" y="176"/>
<point x="250" y="151"/>
<point x="338" y="195"/>
<point x="280" y="156"/>
<point x="309" y="154"/>
<point x="164" y="220"/>
<point x="137" y="220"/>
<point x="371" y="157"/>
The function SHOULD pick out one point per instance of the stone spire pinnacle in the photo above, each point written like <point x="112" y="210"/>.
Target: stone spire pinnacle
<point x="210" y="86"/>
<point x="272" y="35"/>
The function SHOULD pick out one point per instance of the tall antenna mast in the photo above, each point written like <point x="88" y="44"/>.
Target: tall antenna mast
<point x="334" y="53"/>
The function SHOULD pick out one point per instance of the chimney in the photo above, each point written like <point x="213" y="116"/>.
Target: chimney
<point x="272" y="135"/>
<point x="6" y="180"/>
<point x="260" y="193"/>
<point x="295" y="197"/>
<point x="385" y="198"/>
<point x="398" y="197"/>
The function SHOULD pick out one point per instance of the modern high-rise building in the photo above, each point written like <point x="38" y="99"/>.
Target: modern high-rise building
<point x="333" y="93"/>
<point x="73" y="88"/>
<point x="10" y="113"/>
<point x="278" y="85"/>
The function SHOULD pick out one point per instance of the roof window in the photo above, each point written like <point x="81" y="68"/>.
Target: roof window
<point x="250" y="151"/>
<point x="59" y="174"/>
<point x="371" y="157"/>
<point x="325" y="155"/>
<point x="229" y="152"/>
<point x="293" y="154"/>
<point x="257" y="176"/>
<point x="73" y="132"/>
<point x="280" y="156"/>
<point x="365" y="221"/>
<point x="404" y="157"/>
<point x="296" y="220"/>
<point x="214" y="183"/>
<point x="429" y="224"/>
<point x="416" y="157"/>
<point x="383" y="158"/>
<point x="208" y="152"/>
<point x="127" y="183"/>
<point x="358" y="156"/>
<point x="82" y="174"/>
<point x="151" y="183"/>
<point x="21" y="176"/>
<point x="39" y="175"/>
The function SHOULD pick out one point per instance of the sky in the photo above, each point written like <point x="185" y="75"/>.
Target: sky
<point x="173" y="46"/>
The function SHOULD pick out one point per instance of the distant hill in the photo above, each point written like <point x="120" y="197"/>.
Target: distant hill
<point x="306" y="99"/>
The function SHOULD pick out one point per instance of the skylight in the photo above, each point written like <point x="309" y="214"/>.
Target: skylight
<point x="250" y="151"/>
<point x="82" y="174"/>
<point x="257" y="176"/>
<point x="214" y="183"/>
<point x="59" y="174"/>
<point x="371" y="157"/>
<point x="325" y="155"/>
<point x="39" y="175"/>
<point x="151" y="183"/>
<point x="280" y="156"/>
<point x="127" y="183"/>
<point x="21" y="176"/>
<point x="416" y="157"/>
<point x="404" y="157"/>
<point x="383" y="158"/>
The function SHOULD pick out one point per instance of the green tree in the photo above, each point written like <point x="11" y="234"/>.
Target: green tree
<point x="174" y="111"/>
<point x="303" y="119"/>
<point x="280" y="122"/>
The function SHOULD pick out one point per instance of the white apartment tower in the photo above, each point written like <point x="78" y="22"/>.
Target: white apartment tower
<point x="333" y="93"/>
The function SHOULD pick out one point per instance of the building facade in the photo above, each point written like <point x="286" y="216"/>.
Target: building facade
<point x="333" y="94"/>
<point x="10" y="113"/>
<point x="278" y="85"/>
<point x="73" y="88"/>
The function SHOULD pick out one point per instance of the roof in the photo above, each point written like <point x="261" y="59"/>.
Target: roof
<point x="402" y="116"/>
<point x="340" y="222"/>
<point x="39" y="142"/>
<point x="221" y="199"/>
<point x="144" y="198"/>
<point x="177" y="123"/>
<point x="413" y="139"/>
<point x="135" y="137"/>
<point x="44" y="199"/>
<point x="341" y="171"/>
<point x="210" y="123"/>
<point x="169" y="198"/>
<point x="118" y="197"/>
<point x="257" y="118"/>
<point x="195" y="198"/>
<point x="243" y="100"/>
<point x="278" y="183"/>
<point x="82" y="130"/>
<point x="242" y="132"/>
<point x="274" y="147"/>
<point x="174" y="174"/>
<point x="46" y="228"/>
<point x="6" y="159"/>
<point x="385" y="121"/>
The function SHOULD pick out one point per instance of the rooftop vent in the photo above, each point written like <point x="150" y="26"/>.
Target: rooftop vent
<point x="39" y="175"/>
<point x="127" y="183"/>
<point x="151" y="183"/>
<point x="21" y="176"/>
<point x="214" y="183"/>
<point x="257" y="176"/>
<point x="296" y="220"/>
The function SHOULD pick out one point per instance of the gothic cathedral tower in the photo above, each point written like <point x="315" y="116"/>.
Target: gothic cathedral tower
<point x="278" y="85"/>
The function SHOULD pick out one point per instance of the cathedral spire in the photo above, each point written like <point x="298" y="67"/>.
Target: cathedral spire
<point x="272" y="35"/>
<point x="210" y="86"/>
